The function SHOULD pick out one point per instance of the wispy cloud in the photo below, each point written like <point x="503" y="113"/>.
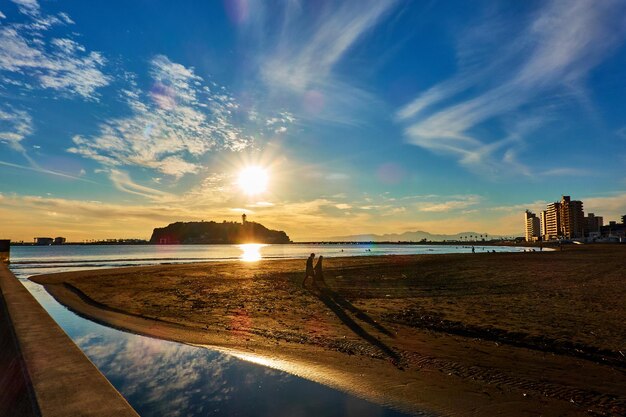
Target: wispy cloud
<point x="298" y="50"/>
<point x="29" y="7"/>
<point x="122" y="181"/>
<point x="261" y="204"/>
<point x="176" y="120"/>
<point x="303" y="59"/>
<point x="37" y="168"/>
<point x="456" y="203"/>
<point x="15" y="125"/>
<point x="32" y="58"/>
<point x="318" y="218"/>
<point x="555" y="51"/>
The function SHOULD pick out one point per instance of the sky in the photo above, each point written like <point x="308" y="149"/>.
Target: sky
<point x="368" y="116"/>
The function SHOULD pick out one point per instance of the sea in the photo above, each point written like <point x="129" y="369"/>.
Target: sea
<point x="163" y="378"/>
<point x="29" y="260"/>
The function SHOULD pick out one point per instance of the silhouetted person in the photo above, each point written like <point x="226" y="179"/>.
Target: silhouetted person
<point x="310" y="272"/>
<point x="473" y="250"/>
<point x="319" y="274"/>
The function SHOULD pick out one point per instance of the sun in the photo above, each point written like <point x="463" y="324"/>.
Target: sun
<point x="253" y="180"/>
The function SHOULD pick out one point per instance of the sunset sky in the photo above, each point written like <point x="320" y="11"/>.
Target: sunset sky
<point x="367" y="116"/>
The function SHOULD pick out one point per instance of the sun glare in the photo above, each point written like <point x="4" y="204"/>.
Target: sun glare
<point x="253" y="180"/>
<point x="251" y="252"/>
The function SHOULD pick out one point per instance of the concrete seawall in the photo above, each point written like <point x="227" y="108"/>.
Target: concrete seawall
<point x="42" y="371"/>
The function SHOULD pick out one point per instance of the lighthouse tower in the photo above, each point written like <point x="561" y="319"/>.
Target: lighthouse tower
<point x="243" y="218"/>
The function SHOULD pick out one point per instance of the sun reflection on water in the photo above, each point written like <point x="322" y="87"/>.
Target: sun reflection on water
<point x="251" y="252"/>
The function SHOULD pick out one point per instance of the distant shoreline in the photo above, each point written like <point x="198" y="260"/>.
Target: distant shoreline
<point x="465" y="244"/>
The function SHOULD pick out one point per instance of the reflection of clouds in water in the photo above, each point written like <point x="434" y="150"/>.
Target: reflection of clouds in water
<point x="160" y="377"/>
<point x="166" y="378"/>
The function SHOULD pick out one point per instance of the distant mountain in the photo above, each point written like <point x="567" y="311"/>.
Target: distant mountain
<point x="404" y="237"/>
<point x="217" y="233"/>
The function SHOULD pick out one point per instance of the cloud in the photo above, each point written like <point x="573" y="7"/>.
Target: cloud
<point x="298" y="50"/>
<point x="122" y="181"/>
<point x="261" y="204"/>
<point x="28" y="7"/>
<point x="569" y="172"/>
<point x="172" y="124"/>
<point x="304" y="59"/>
<point x="15" y="125"/>
<point x="176" y="379"/>
<point x="564" y="41"/>
<point x="37" y="168"/>
<point x="458" y="203"/>
<point x="536" y="206"/>
<point x="303" y="220"/>
<point x="611" y="207"/>
<point x="30" y="59"/>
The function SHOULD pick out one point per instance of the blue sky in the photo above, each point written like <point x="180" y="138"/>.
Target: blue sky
<point x="370" y="116"/>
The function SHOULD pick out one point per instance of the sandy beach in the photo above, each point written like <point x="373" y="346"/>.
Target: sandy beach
<point x="462" y="334"/>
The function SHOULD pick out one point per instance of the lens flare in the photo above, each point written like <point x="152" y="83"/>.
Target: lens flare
<point x="253" y="180"/>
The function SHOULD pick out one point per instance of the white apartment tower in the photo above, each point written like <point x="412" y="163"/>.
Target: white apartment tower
<point x="553" y="221"/>
<point x="532" y="224"/>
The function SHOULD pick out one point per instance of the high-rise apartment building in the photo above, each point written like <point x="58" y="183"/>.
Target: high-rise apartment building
<point x="553" y="221"/>
<point x="532" y="226"/>
<point x="561" y="219"/>
<point x="572" y="218"/>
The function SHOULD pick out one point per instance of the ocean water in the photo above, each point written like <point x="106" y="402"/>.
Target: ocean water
<point x="29" y="260"/>
<point x="162" y="378"/>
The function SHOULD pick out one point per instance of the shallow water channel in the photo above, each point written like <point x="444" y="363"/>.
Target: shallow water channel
<point x="161" y="378"/>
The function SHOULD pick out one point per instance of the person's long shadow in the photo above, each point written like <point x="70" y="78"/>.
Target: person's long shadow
<point x="336" y="303"/>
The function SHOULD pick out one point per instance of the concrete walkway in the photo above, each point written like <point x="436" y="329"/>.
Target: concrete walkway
<point x="42" y="371"/>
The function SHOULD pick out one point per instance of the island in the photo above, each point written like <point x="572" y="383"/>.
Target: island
<point x="216" y="233"/>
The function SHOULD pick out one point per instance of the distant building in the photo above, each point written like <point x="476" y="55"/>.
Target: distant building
<point x="566" y="219"/>
<point x="44" y="241"/>
<point x="593" y="223"/>
<point x="572" y="218"/>
<point x="533" y="228"/>
<point x="553" y="221"/>
<point x="542" y="223"/>
<point x="243" y="218"/>
<point x="59" y="241"/>
<point x="614" y="230"/>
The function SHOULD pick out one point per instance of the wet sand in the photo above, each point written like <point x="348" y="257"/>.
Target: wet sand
<point x="461" y="334"/>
